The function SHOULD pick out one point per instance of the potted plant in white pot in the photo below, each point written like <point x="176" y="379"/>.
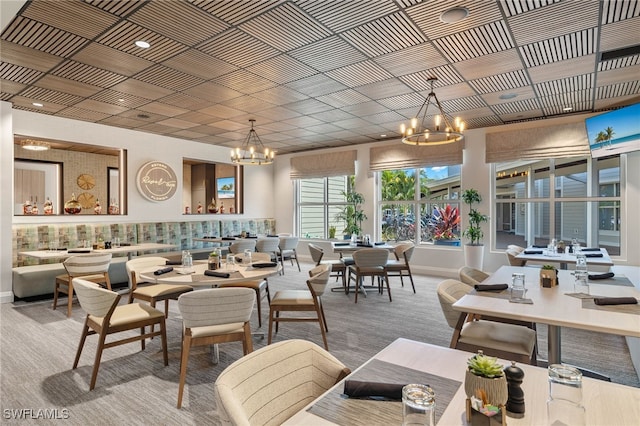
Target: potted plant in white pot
<point x="352" y="213"/>
<point x="474" y="249"/>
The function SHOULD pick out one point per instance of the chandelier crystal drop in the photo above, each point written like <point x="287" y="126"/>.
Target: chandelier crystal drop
<point x="252" y="151"/>
<point x="444" y="130"/>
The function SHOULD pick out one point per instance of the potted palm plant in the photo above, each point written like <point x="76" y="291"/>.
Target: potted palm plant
<point x="352" y="213"/>
<point x="474" y="249"/>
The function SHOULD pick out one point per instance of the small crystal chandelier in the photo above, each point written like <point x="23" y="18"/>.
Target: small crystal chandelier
<point x="252" y="151"/>
<point x="33" y="145"/>
<point x="442" y="132"/>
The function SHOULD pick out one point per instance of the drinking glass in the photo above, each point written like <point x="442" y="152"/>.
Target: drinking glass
<point x="518" y="289"/>
<point x="581" y="263"/>
<point x="247" y="257"/>
<point x="564" y="406"/>
<point x="581" y="283"/>
<point x="231" y="261"/>
<point x="116" y="242"/>
<point x="418" y="405"/>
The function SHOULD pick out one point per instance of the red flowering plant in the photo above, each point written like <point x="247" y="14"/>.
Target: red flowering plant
<point x="444" y="223"/>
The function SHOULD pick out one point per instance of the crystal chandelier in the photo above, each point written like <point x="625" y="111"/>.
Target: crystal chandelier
<point x="444" y="129"/>
<point x="32" y="145"/>
<point x="252" y="151"/>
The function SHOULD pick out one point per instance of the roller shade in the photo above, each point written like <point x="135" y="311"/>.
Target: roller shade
<point x="565" y="140"/>
<point x="340" y="163"/>
<point x="402" y="156"/>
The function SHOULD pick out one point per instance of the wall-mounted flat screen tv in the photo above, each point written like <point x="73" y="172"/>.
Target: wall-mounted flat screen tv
<point x="614" y="132"/>
<point x="226" y="187"/>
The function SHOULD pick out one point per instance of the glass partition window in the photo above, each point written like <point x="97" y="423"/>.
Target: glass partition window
<point x="424" y="210"/>
<point x="562" y="199"/>
<point x="321" y="206"/>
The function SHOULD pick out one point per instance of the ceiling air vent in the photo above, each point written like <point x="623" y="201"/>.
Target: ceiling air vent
<point x="620" y="53"/>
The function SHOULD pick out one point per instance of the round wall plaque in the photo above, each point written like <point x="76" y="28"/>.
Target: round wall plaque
<point x="86" y="181"/>
<point x="156" y="181"/>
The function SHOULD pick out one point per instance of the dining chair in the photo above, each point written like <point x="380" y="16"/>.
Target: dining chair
<point x="105" y="317"/>
<point x="302" y="300"/>
<point x="369" y="262"/>
<point x="511" y="257"/>
<point x="91" y="267"/>
<point x="212" y="316"/>
<point x="399" y="267"/>
<point x="516" y="248"/>
<point x="151" y="293"/>
<point x="338" y="268"/>
<point x="269" y="245"/>
<point x="288" y="246"/>
<point x="239" y="246"/>
<point x="270" y="385"/>
<point x="261" y="286"/>
<point x="499" y="339"/>
<point x="471" y="276"/>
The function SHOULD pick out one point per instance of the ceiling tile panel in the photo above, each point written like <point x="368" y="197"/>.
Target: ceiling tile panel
<point x="212" y="91"/>
<point x="308" y="106"/>
<point x="100" y="56"/>
<point x="344" y="98"/>
<point x="340" y="16"/>
<point x="285" y="28"/>
<point x="562" y="69"/>
<point x="569" y="84"/>
<point x="10" y="88"/>
<point x="385" y="35"/>
<point x="119" y="121"/>
<point x="141" y="89"/>
<point x="27" y="57"/>
<point x="359" y="74"/>
<point x="626" y="89"/>
<point x="512" y="108"/>
<point x="496" y="63"/>
<point x="500" y="82"/>
<point x="72" y="16"/>
<point x="333" y="115"/>
<point x="68" y="86"/>
<point x="199" y="64"/>
<point x="419" y="81"/>
<point x="18" y="74"/>
<point x="84" y="73"/>
<point x="561" y="48"/>
<point x="412" y="59"/>
<point x="282" y="69"/>
<point x="328" y="54"/>
<point x="238" y="48"/>
<point x="168" y="78"/>
<point x="619" y="34"/>
<point x="427" y="16"/>
<point x="182" y="22"/>
<point x="26" y="104"/>
<point x="476" y="42"/>
<point x="82" y="114"/>
<point x="365" y="108"/>
<point x="514" y="8"/>
<point x="42" y="37"/>
<point x="384" y="89"/>
<point x="280" y="95"/>
<point x="120" y="98"/>
<point x="51" y="96"/>
<point x="162" y="109"/>
<point x="97" y="106"/>
<point x="185" y="101"/>
<point x="316" y="85"/>
<point x="236" y="12"/>
<point x="245" y="82"/>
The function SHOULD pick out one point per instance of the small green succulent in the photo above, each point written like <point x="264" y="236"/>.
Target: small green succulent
<point x="485" y="366"/>
<point x="548" y="267"/>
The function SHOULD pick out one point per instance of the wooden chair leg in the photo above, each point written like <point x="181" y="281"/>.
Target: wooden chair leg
<point x="258" y="300"/>
<point x="386" y="278"/>
<point x="96" y="365"/>
<point x="70" y="299"/>
<point x="55" y="295"/>
<point x="184" y="359"/>
<point x="247" y="343"/>
<point x="83" y="338"/>
<point x="271" y="313"/>
<point x="324" y="335"/>
<point x="163" y="336"/>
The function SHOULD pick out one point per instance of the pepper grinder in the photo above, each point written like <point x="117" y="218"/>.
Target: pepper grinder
<point x="515" y="400"/>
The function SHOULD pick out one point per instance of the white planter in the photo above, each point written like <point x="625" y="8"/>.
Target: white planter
<point x="474" y="256"/>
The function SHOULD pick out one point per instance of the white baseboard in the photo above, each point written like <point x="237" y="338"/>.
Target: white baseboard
<point x="6" y="297"/>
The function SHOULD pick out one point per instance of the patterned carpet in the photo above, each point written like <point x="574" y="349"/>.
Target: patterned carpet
<point x="134" y="388"/>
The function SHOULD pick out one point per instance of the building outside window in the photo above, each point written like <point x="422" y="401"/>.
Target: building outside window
<point x="418" y="209"/>
<point x="573" y="198"/>
<point x="319" y="203"/>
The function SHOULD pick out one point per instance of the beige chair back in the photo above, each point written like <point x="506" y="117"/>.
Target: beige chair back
<point x="134" y="266"/>
<point x="511" y="257"/>
<point x="471" y="276"/>
<point x="404" y="251"/>
<point x="87" y="264"/>
<point x="316" y="253"/>
<point x="261" y="257"/>
<point x="215" y="306"/>
<point x="449" y="291"/>
<point x="271" y="384"/>
<point x="515" y="248"/>
<point x="371" y="258"/>
<point x="240" y="246"/>
<point x="267" y="245"/>
<point x="95" y="300"/>
<point x="319" y="278"/>
<point x="288" y="244"/>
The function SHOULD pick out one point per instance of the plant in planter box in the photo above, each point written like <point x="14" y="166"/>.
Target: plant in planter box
<point x="548" y="276"/>
<point x="332" y="232"/>
<point x="444" y="223"/>
<point x="485" y="380"/>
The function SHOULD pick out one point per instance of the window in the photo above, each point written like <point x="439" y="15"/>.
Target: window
<point x="424" y="210"/>
<point x="319" y="202"/>
<point x="564" y="199"/>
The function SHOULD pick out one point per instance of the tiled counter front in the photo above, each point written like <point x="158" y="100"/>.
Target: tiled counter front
<point x="180" y="234"/>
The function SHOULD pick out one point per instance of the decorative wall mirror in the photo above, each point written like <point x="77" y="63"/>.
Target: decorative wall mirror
<point x="49" y="173"/>
<point x="211" y="188"/>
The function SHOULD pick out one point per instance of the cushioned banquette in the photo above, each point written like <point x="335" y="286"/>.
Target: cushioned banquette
<point x="33" y="277"/>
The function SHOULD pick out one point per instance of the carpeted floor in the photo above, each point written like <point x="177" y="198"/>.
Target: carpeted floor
<point x="38" y="347"/>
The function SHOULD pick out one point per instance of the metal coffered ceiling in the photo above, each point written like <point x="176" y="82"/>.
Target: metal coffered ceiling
<point x="316" y="73"/>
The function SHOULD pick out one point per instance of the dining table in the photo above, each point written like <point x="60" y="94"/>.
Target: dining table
<point x="597" y="256"/>
<point x="64" y="253"/>
<point x="347" y="247"/>
<point x="559" y="306"/>
<point x="407" y="361"/>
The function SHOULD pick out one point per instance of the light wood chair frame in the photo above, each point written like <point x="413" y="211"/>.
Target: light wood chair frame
<point x="287" y="251"/>
<point x="361" y="269"/>
<point x="338" y="268"/>
<point x="403" y="254"/>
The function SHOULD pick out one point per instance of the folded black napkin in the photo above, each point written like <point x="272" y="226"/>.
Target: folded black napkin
<point x="538" y="246"/>
<point x="216" y="274"/>
<point x="601" y="276"/>
<point x="364" y="245"/>
<point x="228" y="238"/>
<point x="341" y="244"/>
<point x="206" y="237"/>
<point x="125" y="244"/>
<point x="79" y="251"/>
<point x="271" y="236"/>
<point x="251" y="236"/>
<point x="615" y="301"/>
<point x="381" y="243"/>
<point x="593" y="255"/>
<point x="357" y="389"/>
<point x="173" y="262"/>
<point x="490" y="287"/>
<point x="163" y="270"/>
<point x="590" y="249"/>
<point x="533" y="252"/>
<point x="264" y="264"/>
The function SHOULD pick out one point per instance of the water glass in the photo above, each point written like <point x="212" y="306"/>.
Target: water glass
<point x="581" y="283"/>
<point x="581" y="263"/>
<point x="231" y="262"/>
<point x="518" y="290"/>
<point x="247" y="257"/>
<point x="418" y="405"/>
<point x="564" y="406"/>
<point x="116" y="242"/>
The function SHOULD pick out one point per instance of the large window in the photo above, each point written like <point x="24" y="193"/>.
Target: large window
<point x="420" y="205"/>
<point x="319" y="204"/>
<point x="564" y="199"/>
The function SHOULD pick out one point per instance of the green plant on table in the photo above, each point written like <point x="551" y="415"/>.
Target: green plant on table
<point x="485" y="366"/>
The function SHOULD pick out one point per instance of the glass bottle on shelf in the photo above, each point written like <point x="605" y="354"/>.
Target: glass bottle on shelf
<point x="47" y="208"/>
<point x="27" y="208"/>
<point x="34" y="207"/>
<point x="199" y="208"/>
<point x="212" y="208"/>
<point x="97" y="209"/>
<point x="113" y="207"/>
<point x="72" y="206"/>
<point x="221" y="207"/>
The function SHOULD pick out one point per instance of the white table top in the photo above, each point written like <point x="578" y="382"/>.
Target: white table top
<point x="605" y="260"/>
<point x="242" y="273"/>
<point x="61" y="254"/>
<point x="551" y="306"/>
<point x="606" y="403"/>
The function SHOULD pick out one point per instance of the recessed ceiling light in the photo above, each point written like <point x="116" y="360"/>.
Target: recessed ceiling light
<point x="120" y="100"/>
<point x="454" y="14"/>
<point x="383" y="136"/>
<point x="143" y="44"/>
<point x="38" y="104"/>
<point x="566" y="109"/>
<point x="508" y="96"/>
